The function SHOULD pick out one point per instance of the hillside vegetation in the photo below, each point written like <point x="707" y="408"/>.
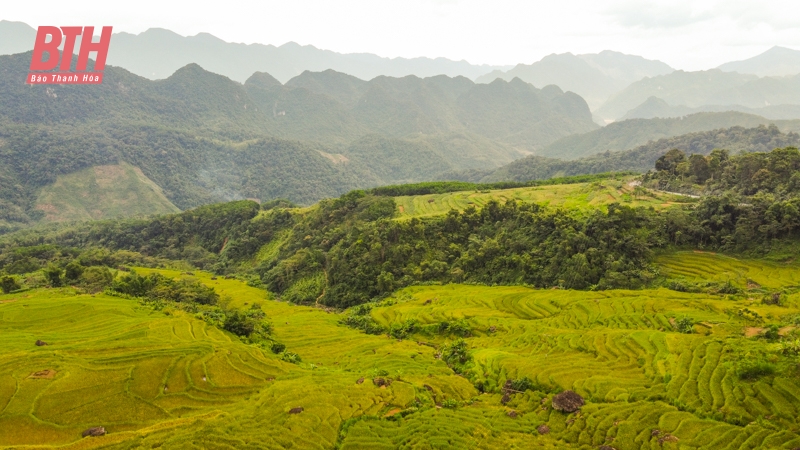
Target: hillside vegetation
<point x="599" y="235"/>
<point x="203" y="138"/>
<point x="122" y="190"/>
<point x="641" y="158"/>
<point x="573" y="197"/>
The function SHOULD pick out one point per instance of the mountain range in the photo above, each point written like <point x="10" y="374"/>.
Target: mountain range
<point x="157" y="53"/>
<point x="641" y="158"/>
<point x="610" y="82"/>
<point x="595" y="77"/>
<point x="137" y="145"/>
<point x="627" y="134"/>
<point x="698" y="89"/>
<point x="775" y="62"/>
<point x="655" y="107"/>
<point x="201" y="137"/>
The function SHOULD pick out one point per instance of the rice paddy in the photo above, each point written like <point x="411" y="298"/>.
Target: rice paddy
<point x="165" y="379"/>
<point x="577" y="196"/>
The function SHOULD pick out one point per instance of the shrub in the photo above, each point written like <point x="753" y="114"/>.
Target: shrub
<point x="771" y="333"/>
<point x="53" y="275"/>
<point x="96" y="279"/>
<point x="753" y="370"/>
<point x="458" y="327"/>
<point x="73" y="271"/>
<point x="306" y="290"/>
<point x="278" y="348"/>
<point x="290" y="357"/>
<point x="9" y="284"/>
<point x="522" y="385"/>
<point x="457" y="355"/>
<point x="685" y="325"/>
<point x="450" y="403"/>
<point x="402" y="330"/>
<point x="789" y="347"/>
<point x="158" y="287"/>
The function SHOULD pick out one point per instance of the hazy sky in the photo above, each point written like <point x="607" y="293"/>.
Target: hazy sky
<point x="689" y="35"/>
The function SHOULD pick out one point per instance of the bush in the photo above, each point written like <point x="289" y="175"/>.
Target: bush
<point x="96" y="279"/>
<point x="53" y="275"/>
<point x="753" y="370"/>
<point x="278" y="348"/>
<point x="790" y="347"/>
<point x="450" y="403"/>
<point x="73" y="271"/>
<point x="9" y="284"/>
<point x="522" y="385"/>
<point x="771" y="333"/>
<point x="458" y="327"/>
<point x="402" y="330"/>
<point x="457" y="355"/>
<point x="158" y="287"/>
<point x="685" y="325"/>
<point x="290" y="357"/>
<point x="306" y="290"/>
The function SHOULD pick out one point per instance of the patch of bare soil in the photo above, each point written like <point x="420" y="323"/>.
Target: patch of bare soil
<point x="402" y="210"/>
<point x="752" y="331"/>
<point x="335" y="158"/>
<point x="47" y="374"/>
<point x="392" y="412"/>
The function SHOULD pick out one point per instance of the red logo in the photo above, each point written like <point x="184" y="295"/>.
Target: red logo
<point x="41" y="68"/>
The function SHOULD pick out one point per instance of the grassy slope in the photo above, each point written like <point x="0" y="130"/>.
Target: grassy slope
<point x="616" y="348"/>
<point x="103" y="192"/>
<point x="582" y="196"/>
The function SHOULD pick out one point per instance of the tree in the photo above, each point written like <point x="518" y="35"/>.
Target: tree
<point x="699" y="168"/>
<point x="73" y="271"/>
<point x="53" y="275"/>
<point x="669" y="162"/>
<point x="8" y="284"/>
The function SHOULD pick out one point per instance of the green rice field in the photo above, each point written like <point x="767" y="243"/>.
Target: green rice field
<point x="577" y="196"/>
<point x="165" y="379"/>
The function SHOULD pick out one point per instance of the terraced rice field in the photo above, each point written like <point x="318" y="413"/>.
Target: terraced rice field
<point x="699" y="266"/>
<point x="164" y="379"/>
<point x="580" y="196"/>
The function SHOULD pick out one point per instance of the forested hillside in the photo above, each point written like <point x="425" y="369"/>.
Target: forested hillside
<point x="202" y="138"/>
<point x="346" y="251"/>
